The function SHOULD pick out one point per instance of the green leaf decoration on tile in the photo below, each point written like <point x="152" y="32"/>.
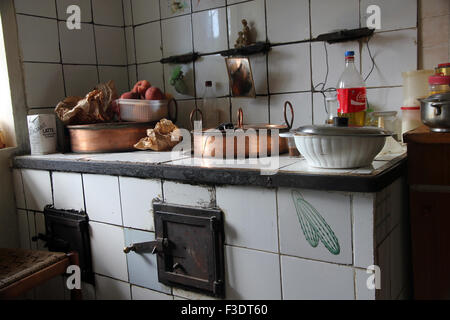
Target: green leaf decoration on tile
<point x="314" y="226"/>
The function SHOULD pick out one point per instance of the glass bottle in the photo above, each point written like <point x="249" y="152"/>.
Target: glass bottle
<point x="210" y="110"/>
<point x="351" y="92"/>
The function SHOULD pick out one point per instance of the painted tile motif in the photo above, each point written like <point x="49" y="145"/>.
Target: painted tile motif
<point x="314" y="226"/>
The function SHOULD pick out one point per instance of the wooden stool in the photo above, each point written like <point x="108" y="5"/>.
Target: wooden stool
<point x="22" y="270"/>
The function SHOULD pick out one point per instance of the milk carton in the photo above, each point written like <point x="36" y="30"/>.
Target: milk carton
<point x="42" y="131"/>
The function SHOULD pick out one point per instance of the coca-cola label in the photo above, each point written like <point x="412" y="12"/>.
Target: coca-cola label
<point x="352" y="100"/>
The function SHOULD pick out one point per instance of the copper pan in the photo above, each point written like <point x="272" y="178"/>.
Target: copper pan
<point x="107" y="137"/>
<point x="212" y="145"/>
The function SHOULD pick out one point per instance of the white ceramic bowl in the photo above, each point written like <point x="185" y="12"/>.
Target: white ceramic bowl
<point x="339" y="152"/>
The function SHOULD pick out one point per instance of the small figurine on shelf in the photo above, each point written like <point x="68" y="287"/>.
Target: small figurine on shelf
<point x="243" y="36"/>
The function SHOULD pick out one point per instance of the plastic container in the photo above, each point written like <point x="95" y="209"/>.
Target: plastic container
<point x="439" y="84"/>
<point x="134" y="110"/>
<point x="387" y="120"/>
<point x="415" y="86"/>
<point x="410" y="119"/>
<point x="332" y="108"/>
<point x="351" y="91"/>
<point x="443" y="69"/>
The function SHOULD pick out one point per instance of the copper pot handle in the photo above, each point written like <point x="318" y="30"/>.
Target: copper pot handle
<point x="174" y="118"/>
<point x="240" y="117"/>
<point x="291" y="123"/>
<point x="192" y="114"/>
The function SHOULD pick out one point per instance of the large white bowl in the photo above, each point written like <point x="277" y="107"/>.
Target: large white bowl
<point x="339" y="152"/>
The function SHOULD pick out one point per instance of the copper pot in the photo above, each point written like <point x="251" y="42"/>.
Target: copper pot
<point x="107" y="137"/>
<point x="243" y="140"/>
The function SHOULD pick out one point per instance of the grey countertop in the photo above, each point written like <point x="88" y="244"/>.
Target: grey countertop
<point x="282" y="171"/>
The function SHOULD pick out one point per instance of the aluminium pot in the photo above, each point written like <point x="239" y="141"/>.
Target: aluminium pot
<point x="334" y="147"/>
<point x="243" y="141"/>
<point x="435" y="112"/>
<point x="107" y="137"/>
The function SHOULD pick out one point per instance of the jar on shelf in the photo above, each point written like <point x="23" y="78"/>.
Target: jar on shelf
<point x="443" y="69"/>
<point x="439" y="84"/>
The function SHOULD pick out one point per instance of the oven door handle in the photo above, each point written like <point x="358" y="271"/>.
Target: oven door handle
<point x="157" y="246"/>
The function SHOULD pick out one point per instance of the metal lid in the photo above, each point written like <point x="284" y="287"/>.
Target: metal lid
<point x="330" y="130"/>
<point x="439" y="97"/>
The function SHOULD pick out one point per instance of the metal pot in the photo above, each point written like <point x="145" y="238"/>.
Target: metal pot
<point x="242" y="140"/>
<point x="435" y="111"/>
<point x="107" y="137"/>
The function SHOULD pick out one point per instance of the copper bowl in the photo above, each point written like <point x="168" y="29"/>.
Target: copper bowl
<point x="107" y="137"/>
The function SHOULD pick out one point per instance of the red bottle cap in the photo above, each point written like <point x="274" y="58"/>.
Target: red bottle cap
<point x="439" y="79"/>
<point x="444" y="65"/>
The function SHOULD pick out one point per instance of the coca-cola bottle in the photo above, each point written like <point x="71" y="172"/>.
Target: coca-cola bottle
<point x="351" y="92"/>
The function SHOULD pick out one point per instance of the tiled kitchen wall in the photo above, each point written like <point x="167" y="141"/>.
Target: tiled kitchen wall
<point x="287" y="72"/>
<point x="58" y="62"/>
<point x="261" y="229"/>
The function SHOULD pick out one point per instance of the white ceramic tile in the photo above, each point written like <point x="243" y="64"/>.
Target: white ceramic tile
<point x="136" y="196"/>
<point x="319" y="111"/>
<point x="148" y="42"/>
<point x="142" y="267"/>
<point x="39" y="220"/>
<point x="189" y="195"/>
<point x="152" y="72"/>
<point x="302" y="104"/>
<point x="132" y="75"/>
<point x="289" y="68"/>
<point x="18" y="189"/>
<point x="255" y="110"/>
<point x="390" y="17"/>
<point x="77" y="46"/>
<point x="251" y="275"/>
<point x="222" y="108"/>
<point x="287" y="21"/>
<point x="250" y="216"/>
<point x="118" y="74"/>
<point x="362" y="291"/>
<point x="38" y="38"/>
<point x="145" y="11"/>
<point x="311" y="280"/>
<point x="80" y="80"/>
<point x="211" y="68"/>
<point x="38" y="189"/>
<point x="110" y="42"/>
<point x="108" y="12"/>
<point x="127" y="13"/>
<point x="24" y="233"/>
<point x="254" y="13"/>
<point x="170" y="8"/>
<point x="229" y="2"/>
<point x="363" y="229"/>
<point x="188" y="72"/>
<point x="111" y="289"/>
<point x="68" y="191"/>
<point x="189" y="295"/>
<point x="210" y="30"/>
<point x="139" y="293"/>
<point x="144" y="157"/>
<point x="44" y="8"/>
<point x="131" y="50"/>
<point x="177" y="36"/>
<point x="85" y="6"/>
<point x="198" y="5"/>
<point x="107" y="243"/>
<point x="184" y="109"/>
<point x="32" y="230"/>
<point x="44" y="85"/>
<point x="386" y="99"/>
<point x="394" y="52"/>
<point x="102" y="198"/>
<point x="336" y="61"/>
<point x="328" y="16"/>
<point x="334" y="211"/>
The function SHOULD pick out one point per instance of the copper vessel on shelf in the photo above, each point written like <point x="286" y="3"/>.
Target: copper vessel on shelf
<point x="107" y="137"/>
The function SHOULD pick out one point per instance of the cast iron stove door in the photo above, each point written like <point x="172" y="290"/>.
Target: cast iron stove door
<point x="190" y="247"/>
